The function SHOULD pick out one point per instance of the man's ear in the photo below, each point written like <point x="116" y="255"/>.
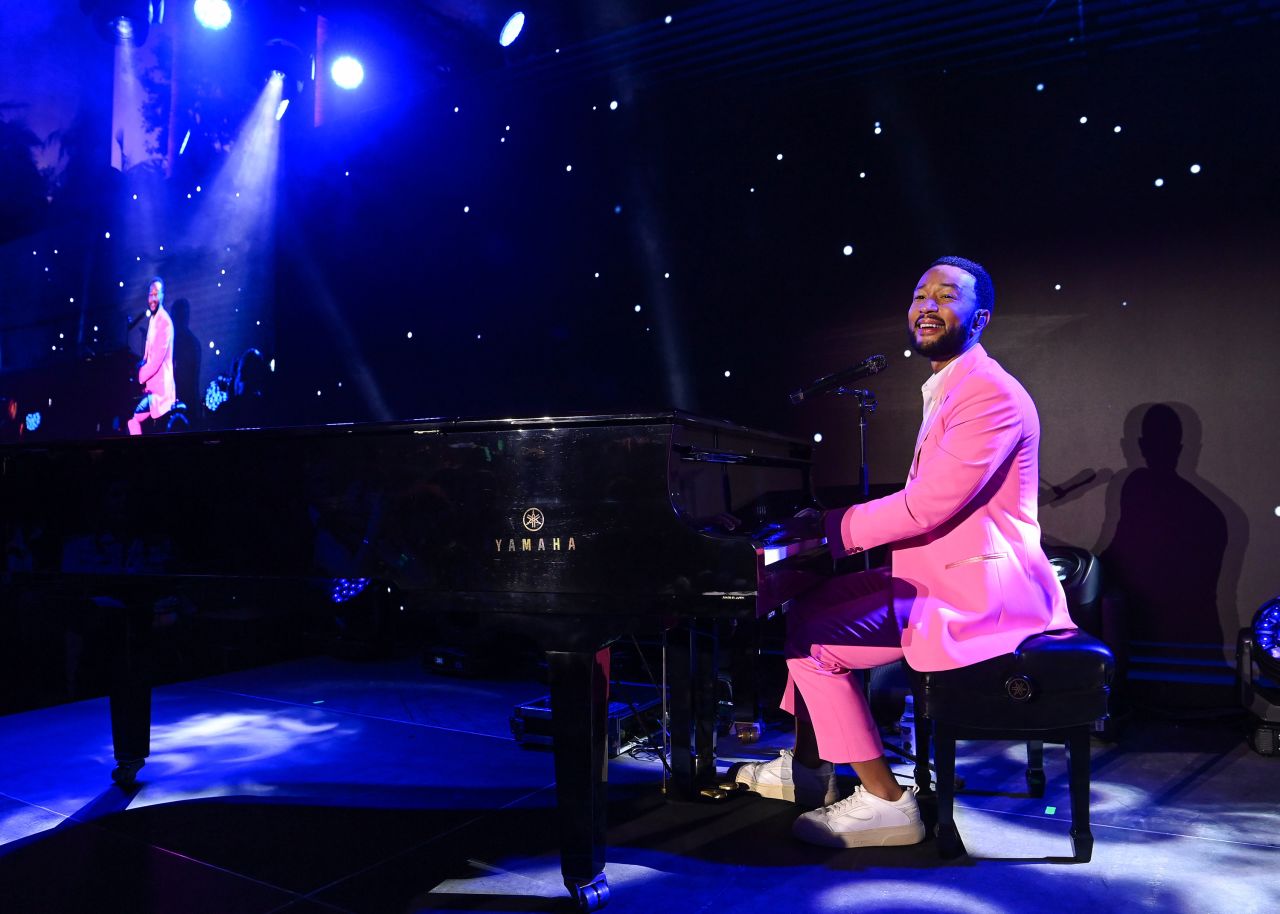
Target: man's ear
<point x="981" y="318"/>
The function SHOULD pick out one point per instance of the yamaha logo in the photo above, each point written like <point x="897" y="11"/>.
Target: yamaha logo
<point x="535" y="521"/>
<point x="1019" y="688"/>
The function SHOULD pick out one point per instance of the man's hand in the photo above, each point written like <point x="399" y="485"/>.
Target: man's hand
<point x="807" y="524"/>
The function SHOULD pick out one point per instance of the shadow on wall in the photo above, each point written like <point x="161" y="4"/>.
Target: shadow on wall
<point x="186" y="354"/>
<point x="1174" y="543"/>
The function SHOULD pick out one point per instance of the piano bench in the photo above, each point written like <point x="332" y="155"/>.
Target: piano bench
<point x="1053" y="688"/>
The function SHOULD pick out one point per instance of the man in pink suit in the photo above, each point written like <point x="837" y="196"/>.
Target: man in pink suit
<point x="155" y="374"/>
<point x="968" y="579"/>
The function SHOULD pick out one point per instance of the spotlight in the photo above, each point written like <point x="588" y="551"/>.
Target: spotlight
<point x="287" y="61"/>
<point x="213" y="14"/>
<point x="121" y="21"/>
<point x="347" y="72"/>
<point x="1258" y="670"/>
<point x="1266" y="636"/>
<point x="511" y="29"/>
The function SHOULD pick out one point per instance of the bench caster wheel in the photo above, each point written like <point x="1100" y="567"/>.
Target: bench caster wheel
<point x="590" y="896"/>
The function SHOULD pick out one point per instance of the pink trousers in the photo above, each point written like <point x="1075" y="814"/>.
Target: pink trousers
<point x="849" y="622"/>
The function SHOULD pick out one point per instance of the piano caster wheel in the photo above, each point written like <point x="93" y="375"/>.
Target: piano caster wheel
<point x="748" y="731"/>
<point x="591" y="896"/>
<point x="126" y="772"/>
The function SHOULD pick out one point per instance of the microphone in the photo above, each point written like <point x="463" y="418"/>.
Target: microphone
<point x="863" y="369"/>
<point x="133" y="323"/>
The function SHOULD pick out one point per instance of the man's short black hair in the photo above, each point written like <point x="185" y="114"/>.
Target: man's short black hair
<point x="983" y="289"/>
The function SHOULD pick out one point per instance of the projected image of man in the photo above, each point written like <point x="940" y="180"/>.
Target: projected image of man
<point x="155" y="373"/>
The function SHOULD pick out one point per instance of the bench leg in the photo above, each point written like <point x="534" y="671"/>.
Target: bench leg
<point x="1035" y="767"/>
<point x="1078" y="763"/>
<point x="944" y="753"/>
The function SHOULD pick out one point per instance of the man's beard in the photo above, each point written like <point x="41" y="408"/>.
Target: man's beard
<point x="946" y="345"/>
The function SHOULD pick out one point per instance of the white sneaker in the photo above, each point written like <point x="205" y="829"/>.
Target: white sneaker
<point x="783" y="779"/>
<point x="862" y="819"/>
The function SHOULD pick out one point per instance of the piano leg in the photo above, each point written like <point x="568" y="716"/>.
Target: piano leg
<point x="579" y="710"/>
<point x="130" y="692"/>
<point x="691" y="674"/>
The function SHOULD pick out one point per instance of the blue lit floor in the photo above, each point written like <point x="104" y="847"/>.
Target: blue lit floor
<point x="324" y="785"/>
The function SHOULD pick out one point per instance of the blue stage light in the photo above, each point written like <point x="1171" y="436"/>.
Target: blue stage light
<point x="511" y="29"/>
<point x="347" y="72"/>
<point x="1266" y="635"/>
<point x="216" y="394"/>
<point x="33" y="421"/>
<point x="345" y="589"/>
<point x="213" y="14"/>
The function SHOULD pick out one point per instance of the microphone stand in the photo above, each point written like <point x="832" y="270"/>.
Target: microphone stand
<point x="866" y="406"/>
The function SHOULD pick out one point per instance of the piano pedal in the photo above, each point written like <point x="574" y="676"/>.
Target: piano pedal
<point x="748" y="731"/>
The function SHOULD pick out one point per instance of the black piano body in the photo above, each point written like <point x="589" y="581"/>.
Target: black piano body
<point x="573" y="530"/>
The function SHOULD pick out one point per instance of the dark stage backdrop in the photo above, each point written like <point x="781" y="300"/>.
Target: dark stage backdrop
<point x="607" y="230"/>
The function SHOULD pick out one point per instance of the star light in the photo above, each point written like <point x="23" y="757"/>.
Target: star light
<point x="1057" y="287"/>
<point x="1195" y="169"/>
<point x="1115" y="129"/>
<point x="1039" y="87"/>
<point x="613" y="106"/>
<point x="1159" y="182"/>
<point x="779" y="157"/>
<point x="568" y="168"/>
<point x="1084" y="120"/>
<point x="727" y="373"/>
<point x="848" y="249"/>
<point x="466" y="209"/>
<point x="906" y="353"/>
<point x="637" y="309"/>
<point x="817" y="437"/>
<point x="409" y="335"/>
<point x="106" y="235"/>
<point x="667" y="20"/>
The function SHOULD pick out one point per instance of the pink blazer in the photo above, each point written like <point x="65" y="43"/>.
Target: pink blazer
<point x="965" y="534"/>
<point x="156" y="371"/>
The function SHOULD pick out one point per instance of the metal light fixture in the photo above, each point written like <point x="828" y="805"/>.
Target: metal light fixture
<point x="1258" y="669"/>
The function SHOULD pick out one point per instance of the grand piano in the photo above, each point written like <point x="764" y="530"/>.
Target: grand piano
<point x="573" y="530"/>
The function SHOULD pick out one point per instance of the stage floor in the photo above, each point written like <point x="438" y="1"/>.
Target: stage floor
<point x="324" y="785"/>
